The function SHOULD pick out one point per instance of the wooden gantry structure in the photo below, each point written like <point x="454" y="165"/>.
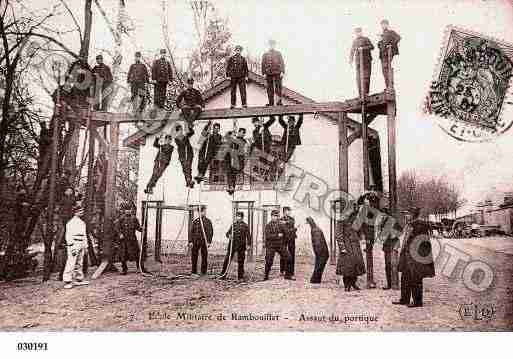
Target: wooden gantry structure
<point x="368" y="108"/>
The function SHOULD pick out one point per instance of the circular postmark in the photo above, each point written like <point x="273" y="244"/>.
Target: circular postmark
<point x="470" y="93"/>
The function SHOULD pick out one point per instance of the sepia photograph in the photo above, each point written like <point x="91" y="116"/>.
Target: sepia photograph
<point x="181" y="166"/>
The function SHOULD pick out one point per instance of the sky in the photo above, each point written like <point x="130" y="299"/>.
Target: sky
<point x="315" y="37"/>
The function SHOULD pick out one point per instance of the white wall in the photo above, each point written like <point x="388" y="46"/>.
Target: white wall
<point x="317" y="155"/>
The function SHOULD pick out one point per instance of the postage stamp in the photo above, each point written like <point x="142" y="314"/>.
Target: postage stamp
<point x="470" y="94"/>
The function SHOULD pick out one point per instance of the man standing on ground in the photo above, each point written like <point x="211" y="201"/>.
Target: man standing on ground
<point x="390" y="243"/>
<point x="238" y="243"/>
<point x="76" y="242"/>
<point x="102" y="81"/>
<point x="290" y="241"/>
<point x="275" y="243"/>
<point x="415" y="260"/>
<point x="137" y="78"/>
<point x="129" y="249"/>
<point x="201" y="236"/>
<point x="273" y="67"/>
<point x="387" y="50"/>
<point x="237" y="71"/>
<point x="162" y="74"/>
<point x="361" y="53"/>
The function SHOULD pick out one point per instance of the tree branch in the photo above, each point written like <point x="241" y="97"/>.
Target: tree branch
<point x="74" y="19"/>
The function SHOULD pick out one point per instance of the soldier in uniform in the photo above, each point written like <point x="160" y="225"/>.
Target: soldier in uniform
<point x="275" y="243"/>
<point x="193" y="100"/>
<point x="235" y="164"/>
<point x="371" y="199"/>
<point x="237" y="244"/>
<point x="390" y="242"/>
<point x="361" y="53"/>
<point x="165" y="150"/>
<point x="273" y="68"/>
<point x="320" y="249"/>
<point x="237" y="71"/>
<point x="185" y="153"/>
<point x="415" y="260"/>
<point x="291" y="136"/>
<point x="162" y="74"/>
<point x="125" y="227"/>
<point x="262" y="138"/>
<point x="290" y="241"/>
<point x="209" y="147"/>
<point x="387" y="50"/>
<point x="102" y="81"/>
<point x="82" y="77"/>
<point x="137" y="78"/>
<point x="201" y="236"/>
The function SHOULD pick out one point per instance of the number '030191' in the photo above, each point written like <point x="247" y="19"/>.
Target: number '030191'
<point x="33" y="346"/>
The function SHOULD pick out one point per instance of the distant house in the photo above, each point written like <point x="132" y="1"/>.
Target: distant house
<point x="317" y="155"/>
<point x="499" y="214"/>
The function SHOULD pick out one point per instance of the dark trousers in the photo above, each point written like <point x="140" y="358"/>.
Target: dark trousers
<point x="387" y="75"/>
<point x="231" y="176"/>
<point x="138" y="99"/>
<point x="191" y="114"/>
<point x="349" y="281"/>
<point x="388" y="267"/>
<point x="159" y="94"/>
<point x="291" y="248"/>
<point x="104" y="103"/>
<point x="273" y="85"/>
<point x="241" y="82"/>
<point x="158" y="169"/>
<point x="241" y="257"/>
<point x="196" y="248"/>
<point x="289" y="152"/>
<point x="269" y="259"/>
<point x="366" y="69"/>
<point x="320" y="264"/>
<point x="187" y="167"/>
<point x="369" y="259"/>
<point x="411" y="288"/>
<point x="124" y="257"/>
<point x="204" y="162"/>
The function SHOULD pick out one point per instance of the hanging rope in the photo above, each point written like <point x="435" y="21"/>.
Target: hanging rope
<point x="230" y="242"/>
<point x="144" y="232"/>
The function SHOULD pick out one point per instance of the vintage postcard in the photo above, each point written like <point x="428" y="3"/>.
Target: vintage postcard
<point x="247" y="166"/>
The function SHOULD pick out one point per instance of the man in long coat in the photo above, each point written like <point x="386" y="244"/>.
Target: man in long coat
<point x="162" y="74"/>
<point x="290" y="240"/>
<point x="200" y="237"/>
<point x="350" y="263"/>
<point x="361" y="53"/>
<point x="275" y="243"/>
<point x="415" y="260"/>
<point x="129" y="250"/>
<point x="320" y="248"/>
<point x="238" y="243"/>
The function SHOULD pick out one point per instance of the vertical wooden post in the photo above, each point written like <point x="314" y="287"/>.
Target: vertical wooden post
<point x="251" y="212"/>
<point x="392" y="182"/>
<point x="110" y="200"/>
<point x="343" y="177"/>
<point x="158" y="232"/>
<point x="365" y="145"/>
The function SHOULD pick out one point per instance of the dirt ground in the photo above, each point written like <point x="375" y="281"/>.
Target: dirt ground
<point x="133" y="302"/>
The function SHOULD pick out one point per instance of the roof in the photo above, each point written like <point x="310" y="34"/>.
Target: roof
<point x="138" y="137"/>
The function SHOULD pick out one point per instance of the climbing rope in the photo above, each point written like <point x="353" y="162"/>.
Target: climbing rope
<point x="230" y="242"/>
<point x="144" y="232"/>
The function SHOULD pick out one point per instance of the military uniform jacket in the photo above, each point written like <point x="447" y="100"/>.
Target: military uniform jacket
<point x="416" y="240"/>
<point x="392" y="38"/>
<point x="104" y="72"/>
<point x="184" y="145"/>
<point x="214" y="141"/>
<point x="127" y="226"/>
<point x="165" y="151"/>
<point x="138" y="73"/>
<point x="361" y="41"/>
<point x="197" y="231"/>
<point x="262" y="138"/>
<point x="161" y="71"/>
<point x="192" y="97"/>
<point x="293" y="132"/>
<point x="237" y="67"/>
<point x="274" y="234"/>
<point x="289" y="225"/>
<point x="272" y="63"/>
<point x="236" y="145"/>
<point x="241" y="235"/>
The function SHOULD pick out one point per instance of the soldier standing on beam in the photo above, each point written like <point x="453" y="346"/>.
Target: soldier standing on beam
<point x="137" y="78"/>
<point x="237" y="71"/>
<point x="273" y="67"/>
<point x="102" y="81"/>
<point x="387" y="50"/>
<point x="162" y="74"/>
<point x="361" y="53"/>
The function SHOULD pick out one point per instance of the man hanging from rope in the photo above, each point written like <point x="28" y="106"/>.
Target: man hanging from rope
<point x="238" y="243"/>
<point x="291" y="136"/>
<point x="194" y="104"/>
<point x="163" y="144"/>
<point x="235" y="158"/>
<point x="209" y="147"/>
<point x="185" y="153"/>
<point x="201" y="237"/>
